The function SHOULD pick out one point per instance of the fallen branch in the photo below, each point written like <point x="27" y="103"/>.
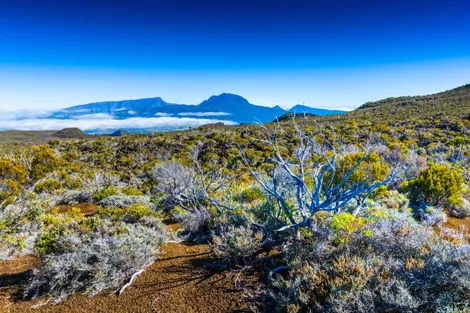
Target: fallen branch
<point x="133" y="277"/>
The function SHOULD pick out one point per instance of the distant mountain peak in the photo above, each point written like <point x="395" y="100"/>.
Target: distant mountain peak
<point x="226" y="108"/>
<point x="225" y="100"/>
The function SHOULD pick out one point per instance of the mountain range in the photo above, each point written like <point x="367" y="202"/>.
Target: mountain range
<point x="225" y="106"/>
<point x="154" y="114"/>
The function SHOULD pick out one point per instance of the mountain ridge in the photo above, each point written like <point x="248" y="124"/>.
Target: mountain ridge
<point x="226" y="105"/>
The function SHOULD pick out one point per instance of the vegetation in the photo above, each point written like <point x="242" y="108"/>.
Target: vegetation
<point x="338" y="213"/>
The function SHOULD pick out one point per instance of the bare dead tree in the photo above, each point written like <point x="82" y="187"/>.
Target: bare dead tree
<point x="311" y="178"/>
<point x="189" y="187"/>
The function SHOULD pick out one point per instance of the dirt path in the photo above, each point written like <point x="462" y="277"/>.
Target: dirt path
<point x="177" y="282"/>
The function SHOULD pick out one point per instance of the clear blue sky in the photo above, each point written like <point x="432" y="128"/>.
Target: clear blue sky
<point x="334" y="53"/>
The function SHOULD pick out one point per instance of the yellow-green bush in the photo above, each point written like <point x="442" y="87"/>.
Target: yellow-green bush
<point x="438" y="184"/>
<point x="131" y="191"/>
<point x="48" y="186"/>
<point x="345" y="224"/>
<point x="133" y="212"/>
<point x="12" y="171"/>
<point x="372" y="168"/>
<point x="46" y="241"/>
<point x="44" y="161"/>
<point x="251" y="194"/>
<point x="104" y="193"/>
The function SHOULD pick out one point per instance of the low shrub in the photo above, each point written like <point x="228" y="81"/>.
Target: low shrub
<point x="131" y="191"/>
<point x="105" y="193"/>
<point x="124" y="201"/>
<point x="195" y="224"/>
<point x="236" y="245"/>
<point x="48" y="185"/>
<point x="104" y="259"/>
<point x="439" y="184"/>
<point x="130" y="214"/>
<point x="392" y="264"/>
<point x="49" y="241"/>
<point x="250" y="195"/>
<point x="430" y="215"/>
<point x="75" y="196"/>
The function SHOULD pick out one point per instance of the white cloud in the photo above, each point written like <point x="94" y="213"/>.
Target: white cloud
<point x="100" y="123"/>
<point x="96" y="116"/>
<point x="201" y="114"/>
<point x="160" y="114"/>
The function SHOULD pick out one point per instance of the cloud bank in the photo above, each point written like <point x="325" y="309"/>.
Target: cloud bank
<point x="101" y="122"/>
<point x="202" y="114"/>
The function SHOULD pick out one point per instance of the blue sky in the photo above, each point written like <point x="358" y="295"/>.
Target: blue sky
<point x="330" y="54"/>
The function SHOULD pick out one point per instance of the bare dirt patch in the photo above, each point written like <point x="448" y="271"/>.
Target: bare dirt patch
<point x="12" y="274"/>
<point x="85" y="208"/>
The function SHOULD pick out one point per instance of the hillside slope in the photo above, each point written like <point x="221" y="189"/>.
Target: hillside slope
<point x="452" y="103"/>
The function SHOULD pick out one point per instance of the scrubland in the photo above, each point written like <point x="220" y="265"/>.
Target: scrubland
<point x="343" y="213"/>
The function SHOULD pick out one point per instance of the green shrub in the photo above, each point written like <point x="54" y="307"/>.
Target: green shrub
<point x="372" y="168"/>
<point x="251" y="194"/>
<point x="458" y="141"/>
<point x="10" y="170"/>
<point x="131" y="191"/>
<point x="34" y="213"/>
<point x="130" y="214"/>
<point x="345" y="224"/>
<point x="44" y="161"/>
<point x="47" y="241"/>
<point x="105" y="193"/>
<point x="439" y="184"/>
<point x="48" y="186"/>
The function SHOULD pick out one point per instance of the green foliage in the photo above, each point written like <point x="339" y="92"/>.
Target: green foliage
<point x="12" y="171"/>
<point x="439" y="184"/>
<point x="132" y="213"/>
<point x="48" y="185"/>
<point x="91" y="223"/>
<point x="345" y="224"/>
<point x="131" y="191"/>
<point x="34" y="213"/>
<point x="46" y="243"/>
<point x="44" y="161"/>
<point x="251" y="194"/>
<point x="458" y="141"/>
<point x="105" y="193"/>
<point x="9" y="189"/>
<point x="372" y="169"/>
